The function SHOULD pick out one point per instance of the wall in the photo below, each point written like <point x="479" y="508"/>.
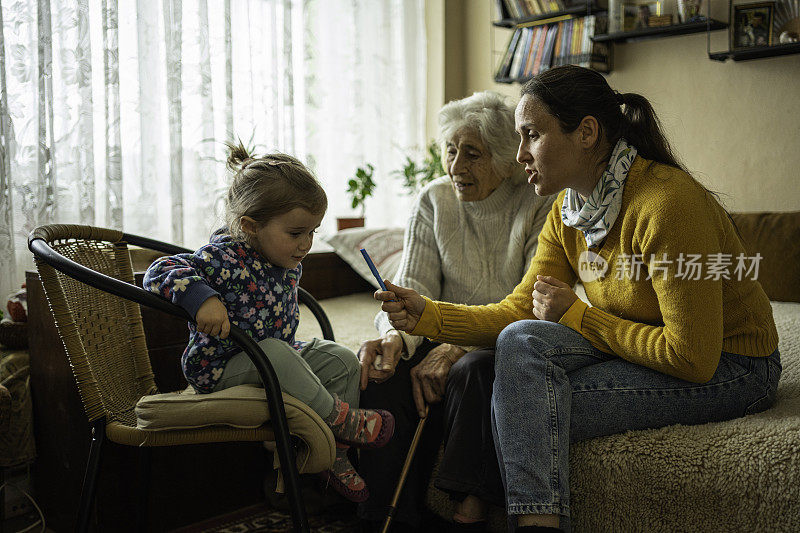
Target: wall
<point x="735" y="125"/>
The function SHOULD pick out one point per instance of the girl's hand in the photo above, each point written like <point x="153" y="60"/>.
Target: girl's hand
<point x="551" y="298"/>
<point x="404" y="306"/>
<point x="387" y="351"/>
<point x="428" y="378"/>
<point x="212" y="318"/>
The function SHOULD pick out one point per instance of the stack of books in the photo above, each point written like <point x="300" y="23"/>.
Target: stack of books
<point x="526" y="8"/>
<point x="534" y="49"/>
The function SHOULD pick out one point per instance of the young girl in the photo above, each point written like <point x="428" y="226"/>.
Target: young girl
<point x="248" y="276"/>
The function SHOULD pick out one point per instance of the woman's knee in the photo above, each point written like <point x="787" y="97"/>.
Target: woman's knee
<point x="524" y="340"/>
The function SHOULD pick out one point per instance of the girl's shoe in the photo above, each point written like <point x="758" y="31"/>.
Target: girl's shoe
<point x="362" y="428"/>
<point x="344" y="479"/>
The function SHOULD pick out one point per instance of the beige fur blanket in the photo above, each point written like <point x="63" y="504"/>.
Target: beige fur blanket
<point x="740" y="475"/>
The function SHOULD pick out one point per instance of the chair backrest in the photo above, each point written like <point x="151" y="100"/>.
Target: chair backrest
<point x="102" y="333"/>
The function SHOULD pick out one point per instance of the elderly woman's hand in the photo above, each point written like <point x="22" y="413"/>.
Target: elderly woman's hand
<point x="551" y="298"/>
<point x="404" y="306"/>
<point x="428" y="378"/>
<point x="387" y="351"/>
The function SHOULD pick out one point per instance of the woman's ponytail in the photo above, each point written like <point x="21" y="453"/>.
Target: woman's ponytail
<point x="642" y="129"/>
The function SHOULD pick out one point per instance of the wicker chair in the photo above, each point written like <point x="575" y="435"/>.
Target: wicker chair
<point x="88" y="280"/>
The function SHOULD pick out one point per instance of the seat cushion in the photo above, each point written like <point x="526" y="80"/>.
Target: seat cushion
<point x="243" y="406"/>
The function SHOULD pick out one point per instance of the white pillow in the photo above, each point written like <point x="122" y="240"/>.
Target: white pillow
<point x="385" y="247"/>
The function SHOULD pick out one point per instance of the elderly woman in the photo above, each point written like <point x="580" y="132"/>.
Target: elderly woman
<point x="470" y="238"/>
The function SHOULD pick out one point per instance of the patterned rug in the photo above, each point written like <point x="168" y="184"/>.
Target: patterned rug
<point x="258" y="518"/>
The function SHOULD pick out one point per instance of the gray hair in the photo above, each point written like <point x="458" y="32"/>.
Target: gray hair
<point x="491" y="116"/>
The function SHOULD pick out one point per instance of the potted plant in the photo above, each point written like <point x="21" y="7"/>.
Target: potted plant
<point x="359" y="189"/>
<point x="416" y="175"/>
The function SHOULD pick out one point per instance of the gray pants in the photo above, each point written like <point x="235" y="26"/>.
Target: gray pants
<point x="311" y="375"/>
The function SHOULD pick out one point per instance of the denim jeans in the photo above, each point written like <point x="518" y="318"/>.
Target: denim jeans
<point x="552" y="387"/>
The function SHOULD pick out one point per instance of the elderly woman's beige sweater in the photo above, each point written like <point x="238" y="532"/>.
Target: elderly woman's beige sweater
<point x="468" y="252"/>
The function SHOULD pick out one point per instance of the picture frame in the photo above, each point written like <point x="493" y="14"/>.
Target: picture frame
<point x="751" y="25"/>
<point x="636" y="13"/>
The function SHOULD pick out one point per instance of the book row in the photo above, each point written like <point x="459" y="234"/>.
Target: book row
<point x="534" y="49"/>
<point x="526" y="8"/>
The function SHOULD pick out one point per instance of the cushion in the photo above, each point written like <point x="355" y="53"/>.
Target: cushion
<point x="385" y="247"/>
<point x="243" y="406"/>
<point x="776" y="236"/>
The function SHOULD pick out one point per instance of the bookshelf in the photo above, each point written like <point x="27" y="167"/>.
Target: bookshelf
<point x="660" y="31"/>
<point x="582" y="8"/>
<point x="785" y="15"/>
<point x="558" y="34"/>
<point x="756" y="53"/>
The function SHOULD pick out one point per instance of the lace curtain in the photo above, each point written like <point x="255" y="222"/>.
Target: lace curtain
<point x="113" y="113"/>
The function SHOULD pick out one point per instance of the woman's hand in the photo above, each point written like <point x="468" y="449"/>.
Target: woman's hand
<point x="428" y="378"/>
<point x="387" y="350"/>
<point x="212" y="318"/>
<point x="551" y="298"/>
<point x="404" y="306"/>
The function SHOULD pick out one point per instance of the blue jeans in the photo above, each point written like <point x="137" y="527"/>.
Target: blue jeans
<point x="552" y="387"/>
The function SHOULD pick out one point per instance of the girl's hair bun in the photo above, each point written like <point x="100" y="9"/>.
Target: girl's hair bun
<point x="238" y="156"/>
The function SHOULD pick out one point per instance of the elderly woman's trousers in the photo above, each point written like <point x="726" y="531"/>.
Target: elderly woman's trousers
<point x="552" y="387"/>
<point x="461" y="422"/>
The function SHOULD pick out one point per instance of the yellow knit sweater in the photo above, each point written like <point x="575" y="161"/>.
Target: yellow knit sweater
<point x="669" y="322"/>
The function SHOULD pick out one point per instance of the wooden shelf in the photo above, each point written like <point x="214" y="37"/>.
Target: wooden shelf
<point x="658" y="31"/>
<point x="513" y="80"/>
<point x="745" y="54"/>
<point x="574" y="10"/>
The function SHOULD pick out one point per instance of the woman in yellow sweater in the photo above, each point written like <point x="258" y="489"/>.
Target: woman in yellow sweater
<point x="679" y="330"/>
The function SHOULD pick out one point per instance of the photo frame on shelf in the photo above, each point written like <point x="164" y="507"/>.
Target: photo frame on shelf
<point x="787" y="21"/>
<point x="690" y="11"/>
<point x="752" y="25"/>
<point x="636" y="13"/>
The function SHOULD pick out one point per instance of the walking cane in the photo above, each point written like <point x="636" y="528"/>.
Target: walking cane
<point x="404" y="472"/>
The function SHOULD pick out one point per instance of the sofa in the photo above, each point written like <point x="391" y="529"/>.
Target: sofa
<point x="739" y="475"/>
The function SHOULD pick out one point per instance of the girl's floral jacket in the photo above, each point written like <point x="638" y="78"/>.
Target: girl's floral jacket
<point x="261" y="299"/>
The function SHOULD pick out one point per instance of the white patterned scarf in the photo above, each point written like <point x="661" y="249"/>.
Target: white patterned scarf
<point x="595" y="216"/>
